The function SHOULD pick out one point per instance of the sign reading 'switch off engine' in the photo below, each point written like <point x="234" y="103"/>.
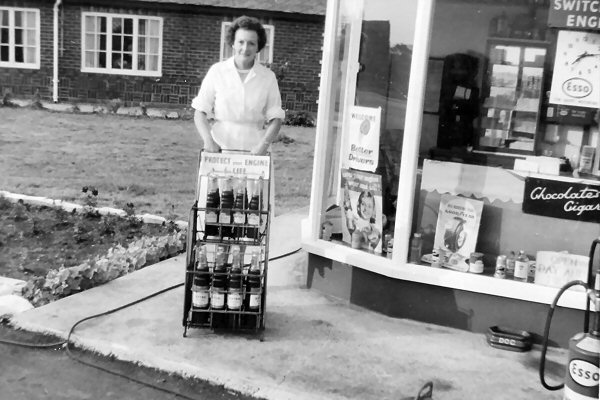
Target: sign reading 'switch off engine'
<point x="567" y="200"/>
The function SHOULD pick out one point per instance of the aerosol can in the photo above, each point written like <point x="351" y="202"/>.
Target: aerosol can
<point x="582" y="374"/>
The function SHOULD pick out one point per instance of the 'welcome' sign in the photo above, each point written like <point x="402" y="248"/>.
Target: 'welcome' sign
<point x="561" y="199"/>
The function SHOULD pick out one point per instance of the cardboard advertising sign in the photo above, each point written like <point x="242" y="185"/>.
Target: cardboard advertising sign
<point x="362" y="215"/>
<point x="456" y="231"/>
<point x="555" y="269"/>
<point x="363" y="139"/>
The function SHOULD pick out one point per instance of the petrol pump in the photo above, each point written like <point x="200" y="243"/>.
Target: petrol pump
<point x="582" y="373"/>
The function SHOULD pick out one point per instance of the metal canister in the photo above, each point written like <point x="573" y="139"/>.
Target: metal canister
<point x="476" y="263"/>
<point x="500" y="267"/>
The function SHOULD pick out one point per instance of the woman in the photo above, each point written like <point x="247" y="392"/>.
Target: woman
<point x="240" y="95"/>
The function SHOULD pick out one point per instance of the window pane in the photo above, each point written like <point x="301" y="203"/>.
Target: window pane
<point x="18" y="36"/>
<point x="3" y="53"/>
<point x="152" y="63"/>
<point x="90" y="58"/>
<point x="153" y="45"/>
<point x="30" y="37"/>
<point x="117" y="44"/>
<point x="4" y="35"/>
<point x="90" y="24"/>
<point x="31" y="23"/>
<point x="117" y="60"/>
<point x="102" y="42"/>
<point x="18" y="18"/>
<point x="128" y="26"/>
<point x="102" y="59"/>
<point x="367" y="104"/>
<point x="142" y="27"/>
<point x="4" y="18"/>
<point x="90" y="42"/>
<point x="153" y="27"/>
<point x="30" y="55"/>
<point x="117" y="25"/>
<point x="141" y="45"/>
<point x="103" y="24"/>
<point x="141" y="63"/>
<point x="486" y="107"/>
<point x="19" y="54"/>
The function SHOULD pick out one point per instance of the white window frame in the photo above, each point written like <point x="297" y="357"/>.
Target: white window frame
<point x="265" y="56"/>
<point x="109" y="69"/>
<point x="397" y="267"/>
<point x="11" y="63"/>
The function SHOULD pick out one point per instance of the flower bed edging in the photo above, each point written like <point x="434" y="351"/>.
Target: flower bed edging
<point x="118" y="261"/>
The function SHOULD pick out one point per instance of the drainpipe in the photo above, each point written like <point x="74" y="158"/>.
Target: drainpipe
<point x="55" y="59"/>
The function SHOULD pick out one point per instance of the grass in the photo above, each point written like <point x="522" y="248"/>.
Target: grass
<point x="151" y="163"/>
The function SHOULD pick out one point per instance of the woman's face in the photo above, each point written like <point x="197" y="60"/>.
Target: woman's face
<point x="245" y="47"/>
<point x="367" y="207"/>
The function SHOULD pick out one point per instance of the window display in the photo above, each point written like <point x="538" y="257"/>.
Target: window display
<point x="451" y="179"/>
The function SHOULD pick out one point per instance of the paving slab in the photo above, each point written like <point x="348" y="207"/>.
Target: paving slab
<point x="313" y="347"/>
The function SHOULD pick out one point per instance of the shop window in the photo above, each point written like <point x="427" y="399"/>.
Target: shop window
<point x="19" y="38"/>
<point x="121" y="44"/>
<point x="266" y="54"/>
<point x="365" y="126"/>
<point x="502" y="165"/>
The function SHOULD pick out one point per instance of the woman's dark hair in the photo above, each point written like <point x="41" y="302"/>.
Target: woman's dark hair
<point x="250" y="24"/>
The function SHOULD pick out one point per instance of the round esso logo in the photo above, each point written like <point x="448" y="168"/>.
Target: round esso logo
<point x="584" y="373"/>
<point x="577" y="87"/>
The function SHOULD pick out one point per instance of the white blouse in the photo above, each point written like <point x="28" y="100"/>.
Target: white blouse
<point x="240" y="109"/>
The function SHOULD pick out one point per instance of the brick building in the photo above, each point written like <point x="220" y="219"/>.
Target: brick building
<point x="151" y="52"/>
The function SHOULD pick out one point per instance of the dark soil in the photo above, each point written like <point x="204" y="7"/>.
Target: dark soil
<point x="36" y="239"/>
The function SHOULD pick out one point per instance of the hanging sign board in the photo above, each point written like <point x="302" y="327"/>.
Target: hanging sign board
<point x="363" y="138"/>
<point x="559" y="199"/>
<point x="574" y="14"/>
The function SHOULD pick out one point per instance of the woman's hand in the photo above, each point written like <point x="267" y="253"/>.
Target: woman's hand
<point x="212" y="147"/>
<point x="260" y="149"/>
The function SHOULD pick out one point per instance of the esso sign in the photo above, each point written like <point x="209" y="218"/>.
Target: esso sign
<point x="577" y="87"/>
<point x="584" y="373"/>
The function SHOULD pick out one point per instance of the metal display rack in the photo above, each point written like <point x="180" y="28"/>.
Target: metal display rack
<point x="228" y="244"/>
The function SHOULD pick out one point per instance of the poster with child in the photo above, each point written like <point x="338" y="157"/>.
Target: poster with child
<point x="362" y="210"/>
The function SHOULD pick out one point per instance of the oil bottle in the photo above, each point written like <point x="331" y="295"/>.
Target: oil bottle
<point x="201" y="283"/>
<point x="234" y="283"/>
<point x="226" y="188"/>
<point x="218" y="288"/>
<point x="200" y="287"/>
<point x="239" y="205"/>
<point x="253" y="289"/>
<point x="211" y="218"/>
<point x="254" y="187"/>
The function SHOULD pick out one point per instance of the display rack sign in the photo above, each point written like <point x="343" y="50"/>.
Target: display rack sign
<point x="559" y="199"/>
<point x="234" y="164"/>
<point x="363" y="144"/>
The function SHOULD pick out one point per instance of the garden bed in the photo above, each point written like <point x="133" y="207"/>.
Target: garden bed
<point x="60" y="253"/>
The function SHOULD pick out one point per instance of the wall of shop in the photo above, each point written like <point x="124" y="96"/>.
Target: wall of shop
<point x="460" y="309"/>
